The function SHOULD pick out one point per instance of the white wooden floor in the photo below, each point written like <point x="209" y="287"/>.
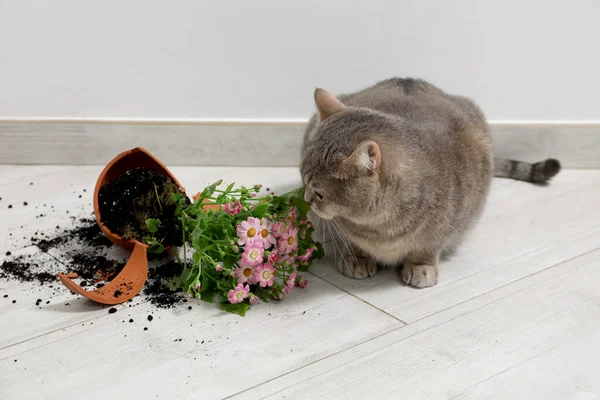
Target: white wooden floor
<point x="516" y="313"/>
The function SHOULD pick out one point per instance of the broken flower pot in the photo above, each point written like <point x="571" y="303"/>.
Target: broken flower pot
<point x="130" y="281"/>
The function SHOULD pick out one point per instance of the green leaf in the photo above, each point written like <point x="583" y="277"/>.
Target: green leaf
<point x="208" y="296"/>
<point x="239" y="308"/>
<point x="260" y="293"/>
<point x="230" y="261"/>
<point x="174" y="283"/>
<point x="177" y="196"/>
<point x="296" y="196"/>
<point x="319" y="253"/>
<point x="196" y="257"/>
<point x="302" y="268"/>
<point x="179" y="199"/>
<point x="154" y="246"/>
<point x="152" y="224"/>
<point x="209" y="190"/>
<point x="260" y="210"/>
<point x="296" y="193"/>
<point x="301" y="205"/>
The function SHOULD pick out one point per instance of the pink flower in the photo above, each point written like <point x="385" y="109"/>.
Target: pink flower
<point x="238" y="294"/>
<point x="287" y="289"/>
<point x="273" y="257"/>
<point x="303" y="234"/>
<point x="292" y="280"/>
<point x="265" y="275"/>
<point x="197" y="287"/>
<point x="279" y="228"/>
<point x="252" y="255"/>
<point x="248" y="231"/>
<point x="233" y="208"/>
<point x="253" y="299"/>
<point x="285" y="259"/>
<point x="306" y="256"/>
<point x="219" y="267"/>
<point x="294" y="213"/>
<point x="302" y="284"/>
<point x="288" y="242"/>
<point x="266" y="233"/>
<point x="244" y="275"/>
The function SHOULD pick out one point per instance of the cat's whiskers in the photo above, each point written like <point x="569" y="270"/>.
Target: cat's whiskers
<point x="345" y="241"/>
<point x="335" y="244"/>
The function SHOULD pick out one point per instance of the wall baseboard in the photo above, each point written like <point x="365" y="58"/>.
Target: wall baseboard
<point x="251" y="142"/>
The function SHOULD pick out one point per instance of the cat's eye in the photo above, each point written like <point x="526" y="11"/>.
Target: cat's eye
<point x="319" y="195"/>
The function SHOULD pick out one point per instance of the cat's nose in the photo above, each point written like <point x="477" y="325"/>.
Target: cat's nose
<point x="309" y="196"/>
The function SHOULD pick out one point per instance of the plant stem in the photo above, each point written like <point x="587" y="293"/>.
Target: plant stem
<point x="157" y="198"/>
<point x="177" y="256"/>
<point x="184" y="242"/>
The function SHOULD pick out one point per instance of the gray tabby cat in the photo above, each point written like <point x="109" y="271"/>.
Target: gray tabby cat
<point x="402" y="169"/>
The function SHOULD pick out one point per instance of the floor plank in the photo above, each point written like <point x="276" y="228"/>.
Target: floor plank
<point x="28" y="173"/>
<point x="565" y="372"/>
<point x="450" y="358"/>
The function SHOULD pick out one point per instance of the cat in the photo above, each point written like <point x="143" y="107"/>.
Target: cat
<point x="401" y="170"/>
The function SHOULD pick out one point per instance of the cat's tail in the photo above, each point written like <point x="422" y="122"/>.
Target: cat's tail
<point x="539" y="172"/>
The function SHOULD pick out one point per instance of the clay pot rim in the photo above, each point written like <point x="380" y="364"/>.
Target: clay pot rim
<point x="99" y="184"/>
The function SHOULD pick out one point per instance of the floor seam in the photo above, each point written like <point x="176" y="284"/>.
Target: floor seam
<point x="512" y="282"/>
<point x="358" y="298"/>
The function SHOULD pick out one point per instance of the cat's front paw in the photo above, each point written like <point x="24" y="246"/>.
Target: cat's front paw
<point x="419" y="275"/>
<point x="357" y="267"/>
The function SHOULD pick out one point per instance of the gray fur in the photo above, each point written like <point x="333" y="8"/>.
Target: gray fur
<point x="414" y="194"/>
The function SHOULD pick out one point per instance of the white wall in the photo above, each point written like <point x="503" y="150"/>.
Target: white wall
<point x="521" y="60"/>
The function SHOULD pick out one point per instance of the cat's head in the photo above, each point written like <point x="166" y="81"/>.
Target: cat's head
<point x="342" y="160"/>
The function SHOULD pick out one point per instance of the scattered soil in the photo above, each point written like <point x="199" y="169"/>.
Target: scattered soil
<point x="158" y="291"/>
<point x="141" y="193"/>
<point x="25" y="268"/>
<point x="112" y="310"/>
<point x="86" y="232"/>
<point x="83" y="250"/>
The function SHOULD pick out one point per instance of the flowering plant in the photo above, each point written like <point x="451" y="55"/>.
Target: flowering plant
<point x="246" y="247"/>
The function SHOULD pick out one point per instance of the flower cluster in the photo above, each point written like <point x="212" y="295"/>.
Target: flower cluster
<point x="246" y="247"/>
<point x="269" y="250"/>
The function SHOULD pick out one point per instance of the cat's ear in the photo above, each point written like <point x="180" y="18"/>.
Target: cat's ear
<point x="327" y="104"/>
<point x="365" y="159"/>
